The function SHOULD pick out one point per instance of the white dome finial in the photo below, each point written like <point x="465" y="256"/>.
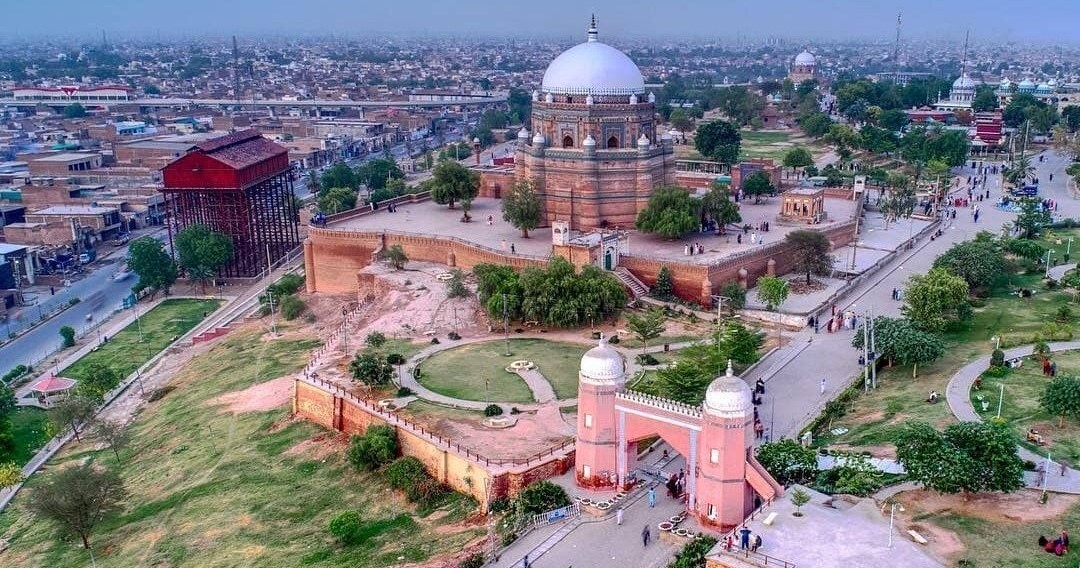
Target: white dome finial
<point x="730" y="371"/>
<point x="593" y="33"/>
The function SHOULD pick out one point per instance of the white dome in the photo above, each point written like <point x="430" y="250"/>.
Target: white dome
<point x="1027" y="84"/>
<point x="593" y="68"/>
<point x="805" y="58"/>
<point x="538" y="139"/>
<point x="523" y="134"/>
<point x="643" y="141"/>
<point x="964" y="82"/>
<point x="1005" y="82"/>
<point x="602" y="365"/>
<point x="728" y="396"/>
<point x="589" y="141"/>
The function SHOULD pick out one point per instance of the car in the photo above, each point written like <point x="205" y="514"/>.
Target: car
<point x="121" y="275"/>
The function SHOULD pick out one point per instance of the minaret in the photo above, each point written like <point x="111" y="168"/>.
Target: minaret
<point x="724" y="443"/>
<point x="593" y="35"/>
<point x="601" y="376"/>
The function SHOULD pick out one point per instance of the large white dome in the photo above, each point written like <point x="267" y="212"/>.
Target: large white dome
<point x="805" y="58"/>
<point x="728" y="396"/>
<point x="593" y="68"/>
<point x="964" y="82"/>
<point x="603" y="365"/>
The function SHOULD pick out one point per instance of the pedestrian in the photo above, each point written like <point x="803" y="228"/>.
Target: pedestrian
<point x="757" y="543"/>
<point x="686" y="249"/>
<point x="513" y="249"/>
<point x="759" y="386"/>
<point x="618" y="516"/>
<point x="822" y="386"/>
<point x="52" y="291"/>
<point x="491" y="220"/>
<point x="525" y="561"/>
<point x="744" y="538"/>
<point x="645" y="536"/>
<point x="1051" y="177"/>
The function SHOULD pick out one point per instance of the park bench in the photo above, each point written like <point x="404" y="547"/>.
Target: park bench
<point x="769" y="520"/>
<point x="917" y="537"/>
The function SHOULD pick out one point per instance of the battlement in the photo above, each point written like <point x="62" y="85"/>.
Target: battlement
<point x="659" y="403"/>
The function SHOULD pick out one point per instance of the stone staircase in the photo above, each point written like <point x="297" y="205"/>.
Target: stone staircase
<point x="636" y="287"/>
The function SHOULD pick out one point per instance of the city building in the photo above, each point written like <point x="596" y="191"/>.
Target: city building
<point x="595" y="151"/>
<point x="62" y="225"/>
<point x="804" y="68"/>
<point x="237" y="185"/>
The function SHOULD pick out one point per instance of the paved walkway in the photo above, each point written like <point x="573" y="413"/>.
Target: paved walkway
<point x="1057" y="272"/>
<point x="540" y="387"/>
<point x="958" y="395"/>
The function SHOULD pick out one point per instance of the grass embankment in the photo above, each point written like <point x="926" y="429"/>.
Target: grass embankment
<point x="212" y="487"/>
<point x="478" y="371"/>
<point x="124" y="353"/>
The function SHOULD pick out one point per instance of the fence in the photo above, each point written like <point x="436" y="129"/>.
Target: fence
<point x="555" y="515"/>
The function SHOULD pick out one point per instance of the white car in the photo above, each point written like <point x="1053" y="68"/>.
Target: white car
<point x="122" y="275"/>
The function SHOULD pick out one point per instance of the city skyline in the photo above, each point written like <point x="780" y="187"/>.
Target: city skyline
<point x="806" y="21"/>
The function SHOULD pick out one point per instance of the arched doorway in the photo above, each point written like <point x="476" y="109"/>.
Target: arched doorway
<point x="567" y="142"/>
<point x="613" y="142"/>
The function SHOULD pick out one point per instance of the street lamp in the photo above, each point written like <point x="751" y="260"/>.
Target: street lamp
<point x="1048" y="253"/>
<point x="997" y="341"/>
<point x="1001" y="397"/>
<point x="892" y="514"/>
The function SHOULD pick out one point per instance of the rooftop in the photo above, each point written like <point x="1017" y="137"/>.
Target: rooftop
<point x="66" y="157"/>
<point x="241" y="149"/>
<point x="74" y="210"/>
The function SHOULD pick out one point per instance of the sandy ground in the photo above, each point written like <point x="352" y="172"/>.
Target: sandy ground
<point x="258" y="398"/>
<point x="1018" y="507"/>
<point x="533" y="432"/>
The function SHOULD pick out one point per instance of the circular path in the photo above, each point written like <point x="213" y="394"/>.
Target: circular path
<point x="958" y="395"/>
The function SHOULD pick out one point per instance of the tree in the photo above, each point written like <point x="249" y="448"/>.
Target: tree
<point x="772" y="291"/>
<point x="10" y="475"/>
<point x="395" y="256"/>
<point x="841" y="135"/>
<point x="148" y="258"/>
<point x="338" y="175"/>
<point x="202" y="252"/>
<point x="1070" y="117"/>
<point x="521" y="207"/>
<point x="979" y="262"/>
<point x="379" y="173"/>
<point x="455" y="287"/>
<point x="452" y="182"/>
<point x="292" y="307"/>
<point x="788" y="461"/>
<point x="1020" y="108"/>
<point x="96" y="379"/>
<point x="540" y="497"/>
<point x="893" y="120"/>
<point x="936" y="300"/>
<point x="371" y="369"/>
<point x="811" y="252"/>
<point x="73" y="411"/>
<point x="647" y="326"/>
<point x="376" y="448"/>
<point x="1022" y="170"/>
<point x="375" y="340"/>
<point x="115" y="434"/>
<point x="664" y="288"/>
<point x="798" y="157"/>
<point x="911" y="346"/>
<point x="799" y="498"/>
<point x="1062" y="398"/>
<point x="75" y="110"/>
<point x="68" y="334"/>
<point x="336" y="200"/>
<point x="736" y="296"/>
<point x="985" y="99"/>
<point x="1032" y="218"/>
<point x="670" y="212"/>
<point x="815" y="124"/>
<point x="680" y="120"/>
<point x="719" y="207"/>
<point x="718" y="140"/>
<point x="967" y="457"/>
<point x="78" y="498"/>
<point x="757" y="184"/>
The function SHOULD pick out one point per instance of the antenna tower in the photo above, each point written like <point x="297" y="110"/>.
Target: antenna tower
<point x="896" y="49"/>
<point x="963" y="62"/>
<point x="236" y="70"/>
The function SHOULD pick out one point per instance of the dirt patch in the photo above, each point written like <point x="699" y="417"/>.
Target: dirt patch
<point x="1019" y="506"/>
<point x="882" y="452"/>
<point x="943" y="543"/>
<point x="320" y="447"/>
<point x="258" y="398"/>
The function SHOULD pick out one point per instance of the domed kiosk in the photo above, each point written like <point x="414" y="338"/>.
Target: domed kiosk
<point x="804" y="68"/>
<point x="713" y="442"/>
<point x="585" y="158"/>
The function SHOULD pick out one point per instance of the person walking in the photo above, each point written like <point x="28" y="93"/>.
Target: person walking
<point x="645" y="537"/>
<point x="652" y="497"/>
<point x="744" y="538"/>
<point x="618" y="516"/>
<point x="823" y="385"/>
<point x="525" y="561"/>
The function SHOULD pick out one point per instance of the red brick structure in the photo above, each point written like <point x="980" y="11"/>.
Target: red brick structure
<point x="238" y="185"/>
<point x="594" y="152"/>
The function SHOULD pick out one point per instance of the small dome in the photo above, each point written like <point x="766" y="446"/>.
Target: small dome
<point x="633" y="99"/>
<point x="535" y="95"/>
<point x="549" y="98"/>
<point x="588" y="99"/>
<point x="523" y="134"/>
<point x="1042" y="88"/>
<point x="728" y="396"/>
<point x="589" y="141"/>
<point x="652" y="97"/>
<point x="538" y="139"/>
<point x="643" y="141"/>
<point x="1026" y="84"/>
<point x="602" y="365"/>
<point x="1005" y="82"/>
<point x="593" y="67"/>
<point x="805" y="58"/>
<point x="1052" y="83"/>
<point x="964" y="82"/>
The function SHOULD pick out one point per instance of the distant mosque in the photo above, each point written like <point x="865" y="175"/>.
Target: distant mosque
<point x="804" y="68"/>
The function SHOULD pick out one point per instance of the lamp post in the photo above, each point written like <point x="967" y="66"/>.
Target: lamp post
<point x="1068" y="249"/>
<point x="892" y="516"/>
<point x="345" y="331"/>
<point x="1001" y="397"/>
<point x="1048" y="253"/>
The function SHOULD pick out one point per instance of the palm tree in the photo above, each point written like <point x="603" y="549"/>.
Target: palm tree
<point x="1020" y="171"/>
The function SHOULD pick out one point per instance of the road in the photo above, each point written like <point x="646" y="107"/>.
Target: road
<point x="100" y="296"/>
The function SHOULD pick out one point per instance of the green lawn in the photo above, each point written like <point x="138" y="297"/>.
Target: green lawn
<point x="29" y="432"/>
<point x="1020" y="407"/>
<point x="631" y="342"/>
<point x="160" y="327"/>
<point x="209" y="487"/>
<point x="478" y="371"/>
<point x="757" y="144"/>
<point x="405" y="347"/>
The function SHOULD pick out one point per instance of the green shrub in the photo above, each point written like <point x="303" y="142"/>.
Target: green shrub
<point x="493" y="410"/>
<point x="997" y="358"/>
<point x="405" y="472"/>
<point x="395" y="359"/>
<point x="375" y="448"/>
<point x="540" y="497"/>
<point x="475" y="560"/>
<point x="614" y="340"/>
<point x="74" y="301"/>
<point x="292" y="307"/>
<point x="287" y="285"/>
<point x="404" y="391"/>
<point x="16" y="372"/>
<point x="647" y="359"/>
<point x="453" y="335"/>
<point x="693" y="554"/>
<point x="68" y="334"/>
<point x="997" y="372"/>
<point x="346" y="527"/>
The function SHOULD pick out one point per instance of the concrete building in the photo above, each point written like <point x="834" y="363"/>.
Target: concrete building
<point x="63" y="225"/>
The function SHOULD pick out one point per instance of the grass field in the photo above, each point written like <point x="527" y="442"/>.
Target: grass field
<point x="478" y="371"/>
<point x="209" y="487"/>
<point x="1020" y="407"/>
<point x="758" y="144"/>
<point x="29" y="432"/>
<point x="160" y="326"/>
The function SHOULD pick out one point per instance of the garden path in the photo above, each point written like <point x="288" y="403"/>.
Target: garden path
<point x="958" y="395"/>
<point x="1057" y="272"/>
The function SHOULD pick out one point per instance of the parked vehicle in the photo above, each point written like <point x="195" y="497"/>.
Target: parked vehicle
<point x="90" y="255"/>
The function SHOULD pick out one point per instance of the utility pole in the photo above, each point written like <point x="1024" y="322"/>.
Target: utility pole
<point x="270" y="300"/>
<point x="866" y="356"/>
<point x="873" y="349"/>
<point x="896" y="50"/>
<point x="506" y="325"/>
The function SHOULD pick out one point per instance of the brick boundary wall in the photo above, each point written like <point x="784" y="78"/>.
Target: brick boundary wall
<point x="459" y="467"/>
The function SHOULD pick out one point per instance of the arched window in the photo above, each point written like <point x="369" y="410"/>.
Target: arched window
<point x="567" y="142"/>
<point x="613" y="142"/>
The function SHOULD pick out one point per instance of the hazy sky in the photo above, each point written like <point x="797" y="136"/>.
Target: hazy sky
<point x="1047" y="21"/>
